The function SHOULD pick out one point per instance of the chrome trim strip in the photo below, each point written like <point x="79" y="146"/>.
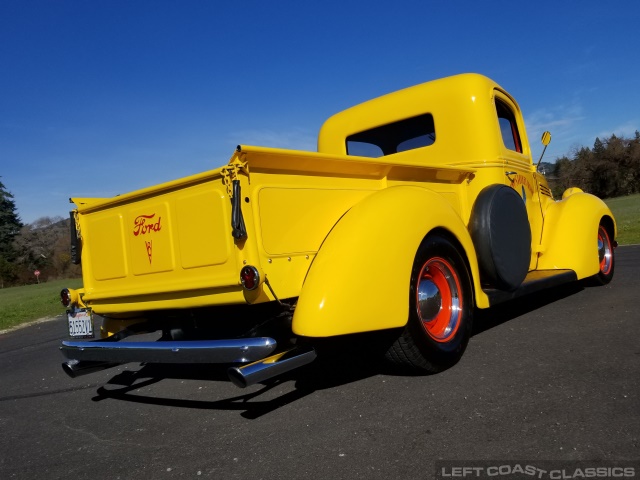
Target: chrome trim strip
<point x="184" y="351"/>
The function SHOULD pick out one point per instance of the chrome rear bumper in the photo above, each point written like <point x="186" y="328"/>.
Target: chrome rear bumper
<point x="184" y="351"/>
<point x="255" y="353"/>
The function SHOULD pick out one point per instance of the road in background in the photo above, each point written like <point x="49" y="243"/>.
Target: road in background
<point x="554" y="376"/>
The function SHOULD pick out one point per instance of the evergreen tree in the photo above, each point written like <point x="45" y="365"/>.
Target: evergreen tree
<point x="10" y="224"/>
<point x="598" y="147"/>
<point x="611" y="169"/>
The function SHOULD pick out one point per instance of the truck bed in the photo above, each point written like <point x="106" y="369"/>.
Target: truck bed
<point x="171" y="246"/>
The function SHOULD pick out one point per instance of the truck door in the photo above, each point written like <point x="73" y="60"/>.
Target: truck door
<point x="519" y="171"/>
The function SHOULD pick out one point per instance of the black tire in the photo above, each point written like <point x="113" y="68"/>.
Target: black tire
<point x="440" y="321"/>
<point x="606" y="257"/>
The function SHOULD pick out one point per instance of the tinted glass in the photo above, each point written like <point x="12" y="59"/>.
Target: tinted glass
<point x="394" y="137"/>
<point x="508" y="127"/>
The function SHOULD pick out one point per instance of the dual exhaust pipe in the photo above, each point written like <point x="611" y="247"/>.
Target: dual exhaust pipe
<point x="242" y="376"/>
<point x="272" y="366"/>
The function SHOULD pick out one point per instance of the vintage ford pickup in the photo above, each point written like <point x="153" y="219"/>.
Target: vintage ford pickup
<point x="419" y="207"/>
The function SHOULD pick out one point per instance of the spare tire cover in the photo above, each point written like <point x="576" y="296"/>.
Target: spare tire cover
<point x="501" y="234"/>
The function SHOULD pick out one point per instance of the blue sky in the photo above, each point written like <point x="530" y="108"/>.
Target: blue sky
<point x="103" y="97"/>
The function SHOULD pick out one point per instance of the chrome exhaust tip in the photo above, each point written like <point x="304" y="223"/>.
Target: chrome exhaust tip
<point x="77" y="368"/>
<point x="272" y="366"/>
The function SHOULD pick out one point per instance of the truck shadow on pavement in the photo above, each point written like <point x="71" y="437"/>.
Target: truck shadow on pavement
<point x="495" y="316"/>
<point x="253" y="402"/>
<point x="242" y="403"/>
<point x="340" y="361"/>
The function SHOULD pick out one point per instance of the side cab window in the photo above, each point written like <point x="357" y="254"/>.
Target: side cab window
<point x="508" y="126"/>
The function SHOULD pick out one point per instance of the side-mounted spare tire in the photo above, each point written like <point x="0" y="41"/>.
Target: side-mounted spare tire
<point x="501" y="234"/>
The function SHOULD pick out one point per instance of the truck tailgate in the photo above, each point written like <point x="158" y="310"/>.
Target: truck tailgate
<point x="159" y="244"/>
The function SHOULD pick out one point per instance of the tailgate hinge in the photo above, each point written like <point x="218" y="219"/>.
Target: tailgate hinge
<point x="231" y="171"/>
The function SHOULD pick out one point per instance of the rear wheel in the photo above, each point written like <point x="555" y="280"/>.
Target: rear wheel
<point x="440" y="309"/>
<point x="606" y="256"/>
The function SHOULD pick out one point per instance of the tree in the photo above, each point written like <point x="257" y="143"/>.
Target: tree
<point x="610" y="169"/>
<point x="634" y="162"/>
<point x="10" y="225"/>
<point x="35" y="243"/>
<point x="598" y="147"/>
<point x="564" y="175"/>
<point x="44" y="245"/>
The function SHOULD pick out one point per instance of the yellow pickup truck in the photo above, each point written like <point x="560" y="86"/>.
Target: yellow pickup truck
<point x="419" y="207"/>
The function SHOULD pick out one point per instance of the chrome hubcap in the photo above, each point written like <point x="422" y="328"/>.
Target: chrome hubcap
<point x="429" y="300"/>
<point x="600" y="249"/>
<point x="604" y="250"/>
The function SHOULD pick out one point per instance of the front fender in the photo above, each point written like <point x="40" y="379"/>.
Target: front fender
<point x="570" y="233"/>
<point x="359" y="280"/>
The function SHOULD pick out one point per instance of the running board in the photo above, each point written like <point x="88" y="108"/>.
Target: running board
<point x="535" y="281"/>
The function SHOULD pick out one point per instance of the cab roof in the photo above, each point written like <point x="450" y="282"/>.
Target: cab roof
<point x="463" y="110"/>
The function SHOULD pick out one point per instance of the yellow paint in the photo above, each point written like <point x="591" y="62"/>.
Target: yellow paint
<point x="296" y="220"/>
<point x="148" y="231"/>
<point x="360" y="279"/>
<point x="570" y="191"/>
<point x="570" y="238"/>
<point x="203" y="211"/>
<point x="168" y="248"/>
<point x="464" y="116"/>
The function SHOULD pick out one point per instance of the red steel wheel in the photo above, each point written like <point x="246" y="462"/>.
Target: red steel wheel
<point x="606" y="256"/>
<point x="605" y="251"/>
<point x="440" y="308"/>
<point x="438" y="301"/>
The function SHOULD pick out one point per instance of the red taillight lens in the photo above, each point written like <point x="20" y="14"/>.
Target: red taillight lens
<point x="250" y="277"/>
<point x="65" y="297"/>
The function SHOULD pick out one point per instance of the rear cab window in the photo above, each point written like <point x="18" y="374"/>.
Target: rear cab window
<point x="407" y="134"/>
<point x="508" y="126"/>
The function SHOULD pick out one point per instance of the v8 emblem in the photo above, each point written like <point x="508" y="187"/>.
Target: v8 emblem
<point x="149" y="253"/>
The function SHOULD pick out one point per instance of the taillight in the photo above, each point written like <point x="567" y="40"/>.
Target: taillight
<point x="250" y="277"/>
<point x="65" y="297"/>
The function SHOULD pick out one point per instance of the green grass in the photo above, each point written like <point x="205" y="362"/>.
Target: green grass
<point x="626" y="210"/>
<point x="31" y="302"/>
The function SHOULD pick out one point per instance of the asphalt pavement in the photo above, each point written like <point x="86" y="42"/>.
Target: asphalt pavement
<point x="554" y="377"/>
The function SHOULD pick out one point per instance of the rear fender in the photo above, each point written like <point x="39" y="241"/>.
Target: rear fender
<point x="570" y="233"/>
<point x="359" y="280"/>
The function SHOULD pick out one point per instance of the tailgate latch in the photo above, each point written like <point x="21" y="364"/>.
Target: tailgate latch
<point x="229" y="177"/>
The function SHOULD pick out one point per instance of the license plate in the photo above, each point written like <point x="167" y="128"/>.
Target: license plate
<point x="80" y="323"/>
